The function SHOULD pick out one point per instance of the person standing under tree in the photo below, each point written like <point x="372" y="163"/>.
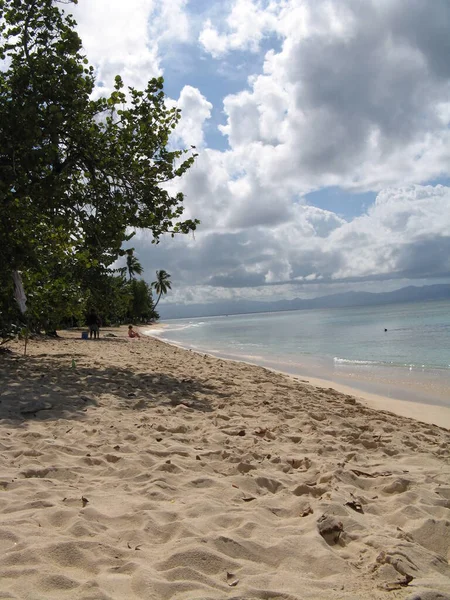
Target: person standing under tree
<point x="93" y="322"/>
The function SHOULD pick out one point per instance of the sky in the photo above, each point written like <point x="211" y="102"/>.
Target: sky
<point x="323" y="134"/>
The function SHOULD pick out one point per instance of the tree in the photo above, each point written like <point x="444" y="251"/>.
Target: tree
<point x="162" y="284"/>
<point x="94" y="169"/>
<point x="111" y="298"/>
<point x="134" y="267"/>
<point x="55" y="293"/>
<point x="141" y="307"/>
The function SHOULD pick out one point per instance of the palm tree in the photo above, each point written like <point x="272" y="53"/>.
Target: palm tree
<point x="134" y="267"/>
<point x="162" y="284"/>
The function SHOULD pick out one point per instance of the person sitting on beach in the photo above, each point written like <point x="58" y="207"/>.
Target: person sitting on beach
<point x="132" y="333"/>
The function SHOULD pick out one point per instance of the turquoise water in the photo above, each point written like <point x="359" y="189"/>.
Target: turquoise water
<point x="410" y="360"/>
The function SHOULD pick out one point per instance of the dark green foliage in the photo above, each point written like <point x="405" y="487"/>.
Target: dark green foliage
<point x="10" y="318"/>
<point x="76" y="174"/>
<point x="120" y="301"/>
<point x="141" y="309"/>
<point x="109" y="295"/>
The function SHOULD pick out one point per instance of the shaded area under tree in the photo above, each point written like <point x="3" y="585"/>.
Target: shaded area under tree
<point x="48" y="388"/>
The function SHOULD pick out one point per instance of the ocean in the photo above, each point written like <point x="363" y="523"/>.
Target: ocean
<point x="409" y="361"/>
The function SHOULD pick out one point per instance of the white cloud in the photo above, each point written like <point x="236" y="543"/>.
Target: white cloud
<point x="125" y="38"/>
<point x="195" y="110"/>
<point x="212" y="41"/>
<point x="357" y="97"/>
<point x="404" y="234"/>
<point x="381" y="241"/>
<point x="244" y="29"/>
<point x="171" y="21"/>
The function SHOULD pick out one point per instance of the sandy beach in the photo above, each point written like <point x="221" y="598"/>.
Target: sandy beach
<point x="133" y="469"/>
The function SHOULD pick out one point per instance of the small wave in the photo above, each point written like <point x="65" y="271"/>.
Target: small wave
<point x="388" y="364"/>
<point x="154" y="332"/>
<point x="169" y="329"/>
<point x="348" y="361"/>
<point x="187" y="326"/>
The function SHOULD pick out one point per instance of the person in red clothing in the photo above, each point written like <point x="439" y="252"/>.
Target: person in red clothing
<point x="132" y="333"/>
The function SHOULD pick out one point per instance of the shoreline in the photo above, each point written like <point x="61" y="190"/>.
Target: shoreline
<point x="435" y="414"/>
<point x="350" y="349"/>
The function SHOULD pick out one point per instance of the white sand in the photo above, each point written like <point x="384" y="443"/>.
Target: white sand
<point x="151" y="472"/>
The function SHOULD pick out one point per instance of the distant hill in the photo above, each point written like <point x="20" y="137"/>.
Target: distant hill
<point x="406" y="294"/>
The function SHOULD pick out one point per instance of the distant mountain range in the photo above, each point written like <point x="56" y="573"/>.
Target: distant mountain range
<point x="406" y="294"/>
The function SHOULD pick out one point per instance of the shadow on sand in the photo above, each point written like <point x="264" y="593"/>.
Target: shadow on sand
<point x="48" y="388"/>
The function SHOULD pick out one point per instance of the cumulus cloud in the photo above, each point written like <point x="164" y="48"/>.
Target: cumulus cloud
<point x="353" y="94"/>
<point x="245" y="27"/>
<point x="404" y="235"/>
<point x="195" y="110"/>
<point x="357" y="96"/>
<point x="402" y="225"/>
<point x="125" y="38"/>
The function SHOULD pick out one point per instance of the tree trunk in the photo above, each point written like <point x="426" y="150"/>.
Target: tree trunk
<point x="160" y="294"/>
